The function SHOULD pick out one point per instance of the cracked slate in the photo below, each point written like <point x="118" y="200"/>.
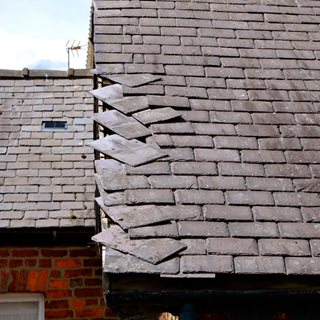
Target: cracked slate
<point x="133" y="80"/>
<point x="156" y="115"/>
<point x="151" y="250"/>
<point x="126" y="127"/>
<point x="132" y="152"/>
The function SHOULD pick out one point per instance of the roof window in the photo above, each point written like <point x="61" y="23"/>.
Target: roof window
<point x="54" y="125"/>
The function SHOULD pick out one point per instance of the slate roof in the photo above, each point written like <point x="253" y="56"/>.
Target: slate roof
<point x="223" y="174"/>
<point x="46" y="175"/>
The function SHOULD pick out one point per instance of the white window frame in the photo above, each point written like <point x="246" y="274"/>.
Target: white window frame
<point x="25" y="297"/>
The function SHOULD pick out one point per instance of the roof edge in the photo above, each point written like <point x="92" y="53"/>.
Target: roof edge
<point x="45" y="74"/>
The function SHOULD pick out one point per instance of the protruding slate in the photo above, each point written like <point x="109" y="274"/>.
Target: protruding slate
<point x="133" y="80"/>
<point x="132" y="152"/>
<point x="156" y="115"/>
<point x="151" y="250"/>
<point x="127" y="127"/>
<point x="108" y="93"/>
<point x="129" y="105"/>
<point x="119" y="262"/>
<point x="136" y="216"/>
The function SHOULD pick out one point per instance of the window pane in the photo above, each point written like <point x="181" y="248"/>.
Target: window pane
<point x="19" y="311"/>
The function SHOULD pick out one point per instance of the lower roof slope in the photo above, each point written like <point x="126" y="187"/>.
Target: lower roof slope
<point x="223" y="175"/>
<point x="45" y="172"/>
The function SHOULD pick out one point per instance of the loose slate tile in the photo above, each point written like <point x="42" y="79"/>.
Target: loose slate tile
<point x="132" y="152"/>
<point x="108" y="93"/>
<point x="136" y="216"/>
<point x="129" y="105"/>
<point x="118" y="262"/>
<point x="156" y="115"/>
<point x="133" y="80"/>
<point x="127" y="127"/>
<point x="153" y="250"/>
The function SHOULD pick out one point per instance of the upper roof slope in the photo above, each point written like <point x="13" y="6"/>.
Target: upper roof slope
<point x="239" y="189"/>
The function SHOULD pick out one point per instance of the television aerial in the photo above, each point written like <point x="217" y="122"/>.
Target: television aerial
<point x="74" y="47"/>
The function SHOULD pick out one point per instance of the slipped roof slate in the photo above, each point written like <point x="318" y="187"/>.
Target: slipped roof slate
<point x="239" y="186"/>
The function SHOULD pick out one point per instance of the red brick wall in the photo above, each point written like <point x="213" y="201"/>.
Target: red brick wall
<point x="68" y="277"/>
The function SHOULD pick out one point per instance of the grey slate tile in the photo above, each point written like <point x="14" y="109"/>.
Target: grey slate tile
<point x="156" y="196"/>
<point x="127" y="127"/>
<point x="194" y="247"/>
<point x="299" y="230"/>
<point x="173" y="182"/>
<point x="199" y="197"/>
<point x="109" y="166"/>
<point x="202" y="229"/>
<point x="227" y="213"/>
<point x="259" y="265"/>
<point x="169" y="230"/>
<point x="216" y="155"/>
<point x="307" y="185"/>
<point x="276" y="214"/>
<point x="315" y="247"/>
<point x="269" y="184"/>
<point x="302" y="266"/>
<point x="196" y="168"/>
<point x="120" y="181"/>
<point x="296" y="199"/>
<point x="284" y="247"/>
<point x="254" y="230"/>
<point x="222" y="183"/>
<point x="206" y="264"/>
<point x="232" y="246"/>
<point x="132" y="152"/>
<point x="311" y="214"/>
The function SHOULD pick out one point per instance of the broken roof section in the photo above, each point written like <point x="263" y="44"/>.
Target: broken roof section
<point x="235" y="128"/>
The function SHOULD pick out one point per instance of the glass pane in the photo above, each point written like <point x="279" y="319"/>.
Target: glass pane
<point x="19" y="311"/>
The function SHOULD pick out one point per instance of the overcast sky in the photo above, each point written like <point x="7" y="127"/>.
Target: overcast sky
<point x="34" y="33"/>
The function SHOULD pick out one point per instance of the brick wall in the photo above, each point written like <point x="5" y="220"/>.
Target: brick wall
<point x="46" y="177"/>
<point x="68" y="277"/>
